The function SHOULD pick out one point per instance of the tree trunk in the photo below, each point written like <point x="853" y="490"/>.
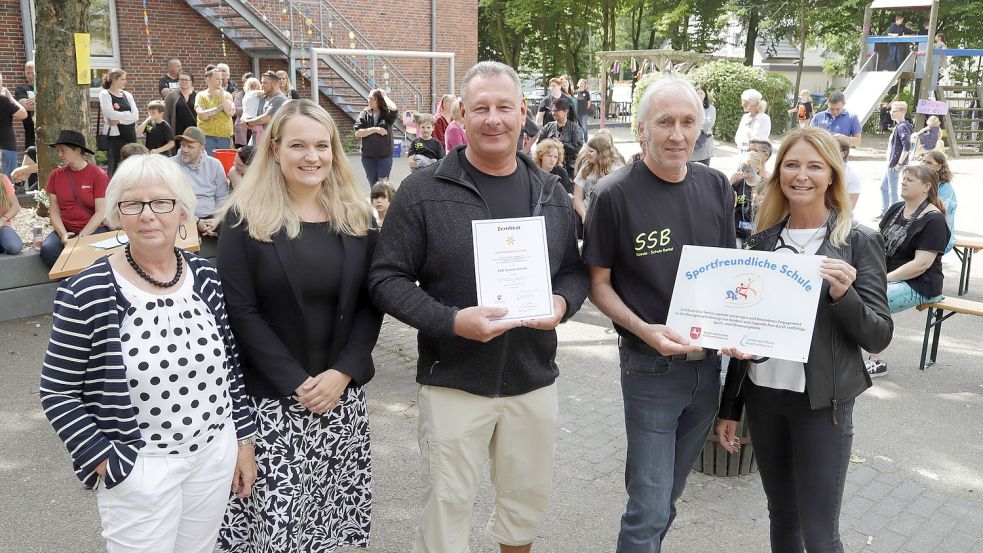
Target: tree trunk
<point x="802" y="47"/>
<point x="752" y="37"/>
<point x="62" y="103"/>
<point x="509" y="51"/>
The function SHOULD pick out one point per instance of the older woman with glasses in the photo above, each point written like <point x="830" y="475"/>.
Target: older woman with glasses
<point x="141" y="378"/>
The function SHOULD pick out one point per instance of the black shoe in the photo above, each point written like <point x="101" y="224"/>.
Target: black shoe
<point x="875" y="367"/>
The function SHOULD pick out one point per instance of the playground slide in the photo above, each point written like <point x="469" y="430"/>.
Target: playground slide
<point x="864" y="94"/>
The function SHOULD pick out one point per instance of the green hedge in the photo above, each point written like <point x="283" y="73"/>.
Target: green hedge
<point x="725" y="81"/>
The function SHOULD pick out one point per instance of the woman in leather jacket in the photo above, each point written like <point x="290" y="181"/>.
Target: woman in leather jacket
<point x="801" y="414"/>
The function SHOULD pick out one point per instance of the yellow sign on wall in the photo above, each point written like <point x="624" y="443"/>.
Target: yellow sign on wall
<point x="82" y="64"/>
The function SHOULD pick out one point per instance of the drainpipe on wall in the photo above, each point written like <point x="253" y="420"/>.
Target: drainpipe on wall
<point x="27" y="21"/>
<point x="433" y="48"/>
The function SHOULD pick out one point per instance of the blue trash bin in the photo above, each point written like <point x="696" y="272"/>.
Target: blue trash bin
<point x="397" y="148"/>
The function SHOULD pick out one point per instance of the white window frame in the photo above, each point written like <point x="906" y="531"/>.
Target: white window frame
<point x="96" y="62"/>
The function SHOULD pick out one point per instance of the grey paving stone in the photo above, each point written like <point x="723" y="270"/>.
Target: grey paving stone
<point x="871" y="523"/>
<point x="906" y="524"/>
<point x="890" y="506"/>
<point x="861" y="473"/>
<point x="958" y="542"/>
<point x="907" y="490"/>
<point x="875" y="490"/>
<point x="924" y="542"/>
<point x="857" y="506"/>
<point x="924" y="506"/>
<point x="886" y="541"/>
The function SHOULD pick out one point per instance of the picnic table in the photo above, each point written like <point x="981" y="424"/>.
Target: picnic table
<point x="79" y="252"/>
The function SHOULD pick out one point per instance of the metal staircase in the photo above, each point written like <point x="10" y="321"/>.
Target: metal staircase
<point x="964" y="125"/>
<point x="287" y="29"/>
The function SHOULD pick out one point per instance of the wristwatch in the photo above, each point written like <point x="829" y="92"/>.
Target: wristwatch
<point x="245" y="442"/>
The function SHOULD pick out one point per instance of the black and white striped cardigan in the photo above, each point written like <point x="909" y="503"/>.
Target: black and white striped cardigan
<point x="84" y="390"/>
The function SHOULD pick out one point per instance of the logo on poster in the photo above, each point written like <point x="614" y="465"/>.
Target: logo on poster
<point x="745" y="292"/>
<point x="695" y="332"/>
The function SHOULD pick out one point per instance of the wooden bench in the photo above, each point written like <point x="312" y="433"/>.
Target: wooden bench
<point x="936" y="315"/>
<point x="964" y="251"/>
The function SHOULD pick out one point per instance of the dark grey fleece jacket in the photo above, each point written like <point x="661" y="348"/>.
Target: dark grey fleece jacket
<point x="427" y="239"/>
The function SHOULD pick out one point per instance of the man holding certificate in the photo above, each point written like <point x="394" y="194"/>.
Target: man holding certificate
<point x="479" y="253"/>
<point x="639" y="221"/>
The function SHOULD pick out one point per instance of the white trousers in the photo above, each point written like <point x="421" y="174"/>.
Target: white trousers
<point x="169" y="503"/>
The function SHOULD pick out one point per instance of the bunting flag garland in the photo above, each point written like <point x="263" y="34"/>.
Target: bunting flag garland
<point x="616" y="67"/>
<point x="634" y="65"/>
<point x="225" y="53"/>
<point x="146" y="29"/>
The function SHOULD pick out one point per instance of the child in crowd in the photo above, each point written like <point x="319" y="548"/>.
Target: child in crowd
<point x="382" y="195"/>
<point x="597" y="160"/>
<point x="928" y="138"/>
<point x="744" y="197"/>
<point x="158" y="133"/>
<point x="885" y="116"/>
<point x="132" y="149"/>
<point x="251" y="100"/>
<point x="243" y="158"/>
<point x="425" y="149"/>
<point x="454" y="134"/>
<point x="803" y="110"/>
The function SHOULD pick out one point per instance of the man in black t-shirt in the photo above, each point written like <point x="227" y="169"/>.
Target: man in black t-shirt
<point x="10" y="111"/>
<point x="24" y="94"/>
<point x="171" y="80"/>
<point x="487" y="385"/>
<point x="583" y="105"/>
<point x="638" y="223"/>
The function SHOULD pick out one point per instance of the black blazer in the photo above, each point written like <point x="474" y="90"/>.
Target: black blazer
<point x="265" y="306"/>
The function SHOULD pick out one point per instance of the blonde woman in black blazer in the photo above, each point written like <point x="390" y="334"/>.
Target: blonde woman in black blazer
<point x="293" y="256"/>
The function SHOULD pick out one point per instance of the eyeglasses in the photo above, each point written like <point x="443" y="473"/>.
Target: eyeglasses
<point x="136" y="208"/>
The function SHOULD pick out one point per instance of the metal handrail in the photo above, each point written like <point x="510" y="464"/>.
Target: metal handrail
<point x="354" y="29"/>
<point x="399" y="81"/>
<point x="365" y="78"/>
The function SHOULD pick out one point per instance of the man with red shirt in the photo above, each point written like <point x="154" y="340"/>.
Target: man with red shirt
<point x="76" y="191"/>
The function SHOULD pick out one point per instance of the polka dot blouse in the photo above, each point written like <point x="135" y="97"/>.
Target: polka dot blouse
<point x="176" y="368"/>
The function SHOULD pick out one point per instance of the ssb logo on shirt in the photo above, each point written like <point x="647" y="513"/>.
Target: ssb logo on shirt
<point x="653" y="242"/>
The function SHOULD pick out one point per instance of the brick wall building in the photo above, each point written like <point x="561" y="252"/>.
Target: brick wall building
<point x="177" y="30"/>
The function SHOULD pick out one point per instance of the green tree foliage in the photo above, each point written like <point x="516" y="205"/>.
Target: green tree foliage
<point x="725" y="81"/>
<point x="560" y="36"/>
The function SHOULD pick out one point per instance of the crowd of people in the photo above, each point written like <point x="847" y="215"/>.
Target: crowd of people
<point x="251" y="377"/>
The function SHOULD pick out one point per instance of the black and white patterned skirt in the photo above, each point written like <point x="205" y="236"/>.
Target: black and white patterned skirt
<point x="314" y="489"/>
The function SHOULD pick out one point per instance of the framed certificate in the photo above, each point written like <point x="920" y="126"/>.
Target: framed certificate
<point x="512" y="266"/>
<point x="763" y="303"/>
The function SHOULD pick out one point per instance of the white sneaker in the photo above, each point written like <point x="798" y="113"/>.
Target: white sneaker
<point x="875" y="367"/>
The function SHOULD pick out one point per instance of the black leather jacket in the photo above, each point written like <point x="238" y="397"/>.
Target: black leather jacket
<point x="835" y="371"/>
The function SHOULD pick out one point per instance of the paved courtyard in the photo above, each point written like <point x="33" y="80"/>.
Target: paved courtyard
<point x="915" y="486"/>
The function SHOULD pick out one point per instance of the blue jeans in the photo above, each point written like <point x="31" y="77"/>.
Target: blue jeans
<point x="377" y="168"/>
<point x="10" y="242"/>
<point x="213" y="143"/>
<point x="889" y="189"/>
<point x="9" y="158"/>
<point x="52" y="247"/>
<point x="900" y="296"/>
<point x="583" y="125"/>
<point x="802" y="456"/>
<point x="893" y="57"/>
<point x="670" y="406"/>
